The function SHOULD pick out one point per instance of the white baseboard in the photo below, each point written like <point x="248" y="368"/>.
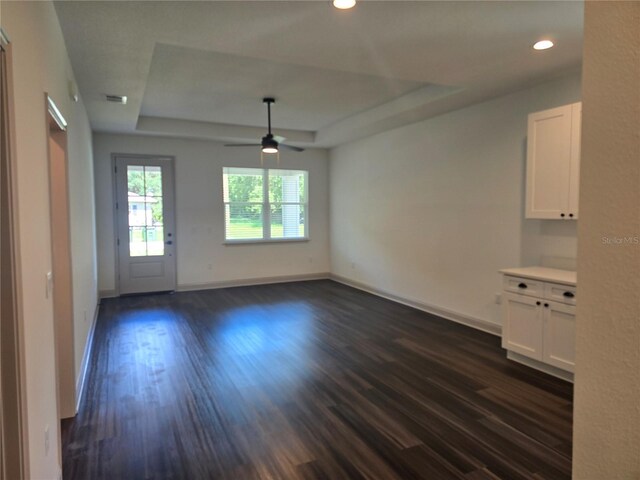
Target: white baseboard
<point x="543" y="367"/>
<point x="107" y="294"/>
<point x="187" y="287"/>
<point x="467" y="320"/>
<point x="86" y="357"/>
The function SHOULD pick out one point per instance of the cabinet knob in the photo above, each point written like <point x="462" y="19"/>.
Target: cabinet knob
<point x="569" y="294"/>
<point x="522" y="285"/>
<point x="571" y="215"/>
<point x="562" y="215"/>
<point x="546" y="304"/>
<point x="537" y="303"/>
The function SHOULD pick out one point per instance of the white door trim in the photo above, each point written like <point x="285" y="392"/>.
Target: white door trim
<point x="15" y="432"/>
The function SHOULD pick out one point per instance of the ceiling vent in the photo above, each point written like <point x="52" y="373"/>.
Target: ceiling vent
<point x="121" y="99"/>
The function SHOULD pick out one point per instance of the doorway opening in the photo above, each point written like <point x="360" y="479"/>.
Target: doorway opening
<point x="62" y="292"/>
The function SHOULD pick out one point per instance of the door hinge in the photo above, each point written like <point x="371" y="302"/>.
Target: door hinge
<point x="116" y="169"/>
<point x="118" y="242"/>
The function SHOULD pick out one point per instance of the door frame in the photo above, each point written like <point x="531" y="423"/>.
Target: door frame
<point x="12" y="364"/>
<point x="61" y="259"/>
<point x="114" y="192"/>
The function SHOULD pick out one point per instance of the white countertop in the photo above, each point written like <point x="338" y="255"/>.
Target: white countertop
<point x="565" y="277"/>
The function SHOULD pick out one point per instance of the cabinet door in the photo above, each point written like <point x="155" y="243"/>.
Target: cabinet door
<point x="549" y="163"/>
<point x="559" y="335"/>
<point x="522" y="325"/>
<point x="574" y="174"/>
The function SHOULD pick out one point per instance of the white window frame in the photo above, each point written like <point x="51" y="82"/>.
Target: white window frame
<point x="266" y="209"/>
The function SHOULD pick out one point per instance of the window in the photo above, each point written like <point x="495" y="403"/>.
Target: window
<point x="146" y="214"/>
<point x="265" y="204"/>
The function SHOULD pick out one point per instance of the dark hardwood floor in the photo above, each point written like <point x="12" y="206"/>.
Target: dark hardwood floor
<point x="310" y="380"/>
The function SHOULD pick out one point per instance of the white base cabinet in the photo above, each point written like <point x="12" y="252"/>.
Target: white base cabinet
<point x="539" y="320"/>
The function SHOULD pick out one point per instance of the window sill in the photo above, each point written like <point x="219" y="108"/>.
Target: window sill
<point x="269" y="240"/>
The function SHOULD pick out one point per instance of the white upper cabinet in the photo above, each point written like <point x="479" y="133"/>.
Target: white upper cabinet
<point x="553" y="163"/>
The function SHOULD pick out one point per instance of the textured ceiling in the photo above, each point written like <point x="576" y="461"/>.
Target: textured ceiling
<point x="208" y="86"/>
<point x="201" y="68"/>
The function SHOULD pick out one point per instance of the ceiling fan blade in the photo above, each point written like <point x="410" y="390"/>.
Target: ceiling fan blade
<point x="291" y="147"/>
<point x="279" y="139"/>
<point x="243" y="145"/>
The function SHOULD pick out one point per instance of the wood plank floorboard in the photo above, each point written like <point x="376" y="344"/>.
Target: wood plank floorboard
<point x="309" y="380"/>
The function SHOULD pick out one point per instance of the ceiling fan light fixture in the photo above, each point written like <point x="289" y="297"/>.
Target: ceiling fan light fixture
<point x="344" y="4"/>
<point x="269" y="144"/>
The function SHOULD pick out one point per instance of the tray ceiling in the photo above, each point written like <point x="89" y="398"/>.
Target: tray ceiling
<point x="337" y="75"/>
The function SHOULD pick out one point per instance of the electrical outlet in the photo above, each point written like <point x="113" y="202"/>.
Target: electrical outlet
<point x="353" y="265"/>
<point x="46" y="440"/>
<point x="498" y="298"/>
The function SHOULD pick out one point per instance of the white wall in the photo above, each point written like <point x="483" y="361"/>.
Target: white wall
<point x="40" y="64"/>
<point x="83" y="231"/>
<point x="606" y="438"/>
<point x="429" y="212"/>
<point x="200" y="212"/>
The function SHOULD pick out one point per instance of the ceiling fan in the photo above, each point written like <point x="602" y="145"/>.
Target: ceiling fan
<point x="269" y="143"/>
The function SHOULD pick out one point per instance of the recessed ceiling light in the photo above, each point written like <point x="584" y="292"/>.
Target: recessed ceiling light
<point x="344" y="4"/>
<point x="543" y="45"/>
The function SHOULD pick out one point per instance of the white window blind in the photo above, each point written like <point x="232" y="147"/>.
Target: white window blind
<point x="265" y="204"/>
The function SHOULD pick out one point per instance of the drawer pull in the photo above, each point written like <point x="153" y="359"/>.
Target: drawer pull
<point x="522" y="285"/>
<point x="569" y="294"/>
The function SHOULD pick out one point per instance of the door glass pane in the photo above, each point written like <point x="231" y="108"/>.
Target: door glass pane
<point x="137" y="243"/>
<point x="153" y="181"/>
<point x="146" y="214"/>
<point x="135" y="179"/>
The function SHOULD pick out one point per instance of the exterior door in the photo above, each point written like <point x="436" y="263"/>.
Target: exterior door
<point x="145" y="220"/>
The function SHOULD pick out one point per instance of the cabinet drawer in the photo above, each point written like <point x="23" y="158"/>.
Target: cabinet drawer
<point x="524" y="286"/>
<point x="560" y="293"/>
